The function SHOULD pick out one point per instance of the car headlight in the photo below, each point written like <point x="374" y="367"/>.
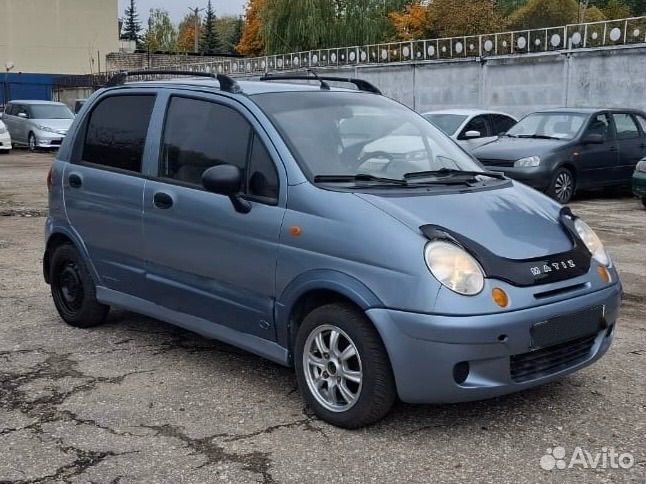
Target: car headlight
<point x="46" y="129"/>
<point x="453" y="267"/>
<point x="592" y="242"/>
<point x="529" y="162"/>
<point x="641" y="166"/>
<point x="3" y="130"/>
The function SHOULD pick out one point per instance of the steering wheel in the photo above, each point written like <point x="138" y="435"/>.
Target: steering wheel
<point x="376" y="154"/>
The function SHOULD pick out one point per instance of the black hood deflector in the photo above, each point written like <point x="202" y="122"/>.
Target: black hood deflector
<point x="525" y="272"/>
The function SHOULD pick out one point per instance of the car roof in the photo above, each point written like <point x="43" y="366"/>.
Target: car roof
<point x="248" y="87"/>
<point x="30" y="102"/>
<point x="466" y="112"/>
<point x="588" y="110"/>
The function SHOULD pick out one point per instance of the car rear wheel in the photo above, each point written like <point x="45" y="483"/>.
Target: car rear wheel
<point x="342" y="367"/>
<point x="33" y="144"/>
<point x="563" y="186"/>
<point x="73" y="289"/>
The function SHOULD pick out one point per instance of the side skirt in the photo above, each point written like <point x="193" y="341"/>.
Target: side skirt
<point x="259" y="346"/>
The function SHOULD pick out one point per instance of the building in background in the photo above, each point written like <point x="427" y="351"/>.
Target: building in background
<point x="42" y="39"/>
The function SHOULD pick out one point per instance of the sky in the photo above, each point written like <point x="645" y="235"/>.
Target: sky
<point x="179" y="8"/>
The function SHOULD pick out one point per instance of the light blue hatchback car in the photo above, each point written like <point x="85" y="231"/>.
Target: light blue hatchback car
<point x="326" y="228"/>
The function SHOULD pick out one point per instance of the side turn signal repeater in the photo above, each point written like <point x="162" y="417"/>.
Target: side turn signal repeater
<point x="500" y="297"/>
<point x="295" y="230"/>
<point x="604" y="275"/>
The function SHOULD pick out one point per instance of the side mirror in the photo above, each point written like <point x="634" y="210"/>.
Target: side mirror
<point x="22" y="115"/>
<point x="226" y="180"/>
<point x="472" y="134"/>
<point x="593" y="139"/>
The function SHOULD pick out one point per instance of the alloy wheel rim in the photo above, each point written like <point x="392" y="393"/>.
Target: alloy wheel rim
<point x="563" y="186"/>
<point x="332" y="367"/>
<point x="32" y="143"/>
<point x="70" y="287"/>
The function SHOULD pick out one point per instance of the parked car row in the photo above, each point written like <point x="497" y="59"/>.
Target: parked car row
<point x="555" y="151"/>
<point x="34" y="124"/>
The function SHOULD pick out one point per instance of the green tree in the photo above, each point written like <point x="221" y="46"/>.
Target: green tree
<point x="616" y="9"/>
<point x="236" y="35"/>
<point x="288" y="26"/>
<point x="132" y="26"/>
<point x="544" y="13"/>
<point x="161" y="34"/>
<point x="210" y="43"/>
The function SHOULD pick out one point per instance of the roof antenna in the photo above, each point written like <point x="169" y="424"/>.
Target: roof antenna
<point x="324" y="85"/>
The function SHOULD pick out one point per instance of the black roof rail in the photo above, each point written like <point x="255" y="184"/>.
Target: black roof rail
<point x="359" y="83"/>
<point x="227" y="84"/>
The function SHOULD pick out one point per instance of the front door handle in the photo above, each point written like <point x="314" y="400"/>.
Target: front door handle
<point x="163" y="200"/>
<point x="75" y="181"/>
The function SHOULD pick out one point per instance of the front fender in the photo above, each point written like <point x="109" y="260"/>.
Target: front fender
<point x="320" y="279"/>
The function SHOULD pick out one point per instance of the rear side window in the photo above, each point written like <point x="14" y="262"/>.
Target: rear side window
<point x="116" y="132"/>
<point x="625" y="126"/>
<point x="199" y="135"/>
<point x="642" y="122"/>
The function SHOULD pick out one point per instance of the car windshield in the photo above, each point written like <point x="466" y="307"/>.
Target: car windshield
<point x="449" y="123"/>
<point x="50" y="111"/>
<point x="548" y="125"/>
<point x="347" y="134"/>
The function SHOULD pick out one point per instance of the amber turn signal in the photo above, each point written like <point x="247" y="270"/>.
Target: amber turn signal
<point x="604" y="275"/>
<point x="500" y="297"/>
<point x="295" y="230"/>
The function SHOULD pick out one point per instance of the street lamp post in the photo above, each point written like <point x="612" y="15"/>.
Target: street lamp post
<point x="8" y="67"/>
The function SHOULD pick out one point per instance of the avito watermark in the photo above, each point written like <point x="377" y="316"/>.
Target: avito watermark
<point x="556" y="458"/>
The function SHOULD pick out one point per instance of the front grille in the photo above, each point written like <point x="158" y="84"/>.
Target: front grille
<point x="56" y="142"/>
<point x="502" y="163"/>
<point x="546" y="361"/>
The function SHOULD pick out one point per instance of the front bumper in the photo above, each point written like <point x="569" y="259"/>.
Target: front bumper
<point x="45" y="139"/>
<point x="538" y="177"/>
<point x="639" y="184"/>
<point x="5" y="141"/>
<point x="425" y="350"/>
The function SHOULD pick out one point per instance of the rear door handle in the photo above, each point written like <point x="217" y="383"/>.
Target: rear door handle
<point x="75" y="181"/>
<point x="163" y="200"/>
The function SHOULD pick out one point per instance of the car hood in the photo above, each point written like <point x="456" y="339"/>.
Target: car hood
<point x="63" y="124"/>
<point x="515" y="222"/>
<point x="512" y="149"/>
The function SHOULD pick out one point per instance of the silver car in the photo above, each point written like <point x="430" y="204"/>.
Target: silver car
<point x="471" y="128"/>
<point x="37" y="124"/>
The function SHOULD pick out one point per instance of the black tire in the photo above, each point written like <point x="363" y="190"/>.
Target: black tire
<point x="32" y="144"/>
<point x="377" y="392"/>
<point x="73" y="289"/>
<point x="644" y="201"/>
<point x="563" y="186"/>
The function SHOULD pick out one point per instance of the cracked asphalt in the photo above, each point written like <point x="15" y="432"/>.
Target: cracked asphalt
<point x="139" y="401"/>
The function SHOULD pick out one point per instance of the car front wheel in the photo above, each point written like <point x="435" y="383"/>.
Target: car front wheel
<point x="563" y="186"/>
<point x="33" y="144"/>
<point x="644" y="202"/>
<point x="342" y="367"/>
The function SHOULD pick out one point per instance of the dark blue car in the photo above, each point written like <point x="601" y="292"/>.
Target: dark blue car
<point x="561" y="151"/>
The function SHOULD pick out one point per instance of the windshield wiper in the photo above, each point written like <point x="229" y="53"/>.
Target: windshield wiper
<point x="361" y="177"/>
<point x="537" y="136"/>
<point x="446" y="172"/>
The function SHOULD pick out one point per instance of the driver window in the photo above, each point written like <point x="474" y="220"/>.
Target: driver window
<point x="600" y="124"/>
<point x="480" y="124"/>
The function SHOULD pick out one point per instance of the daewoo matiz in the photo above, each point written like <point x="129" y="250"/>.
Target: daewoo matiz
<point x="275" y="216"/>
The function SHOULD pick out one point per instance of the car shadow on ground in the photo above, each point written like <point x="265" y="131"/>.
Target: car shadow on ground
<point x="146" y="334"/>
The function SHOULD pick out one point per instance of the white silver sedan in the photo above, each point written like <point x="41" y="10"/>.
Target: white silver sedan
<point x="471" y="128"/>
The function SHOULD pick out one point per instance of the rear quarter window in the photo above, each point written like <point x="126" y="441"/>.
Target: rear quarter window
<point x="116" y="131"/>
